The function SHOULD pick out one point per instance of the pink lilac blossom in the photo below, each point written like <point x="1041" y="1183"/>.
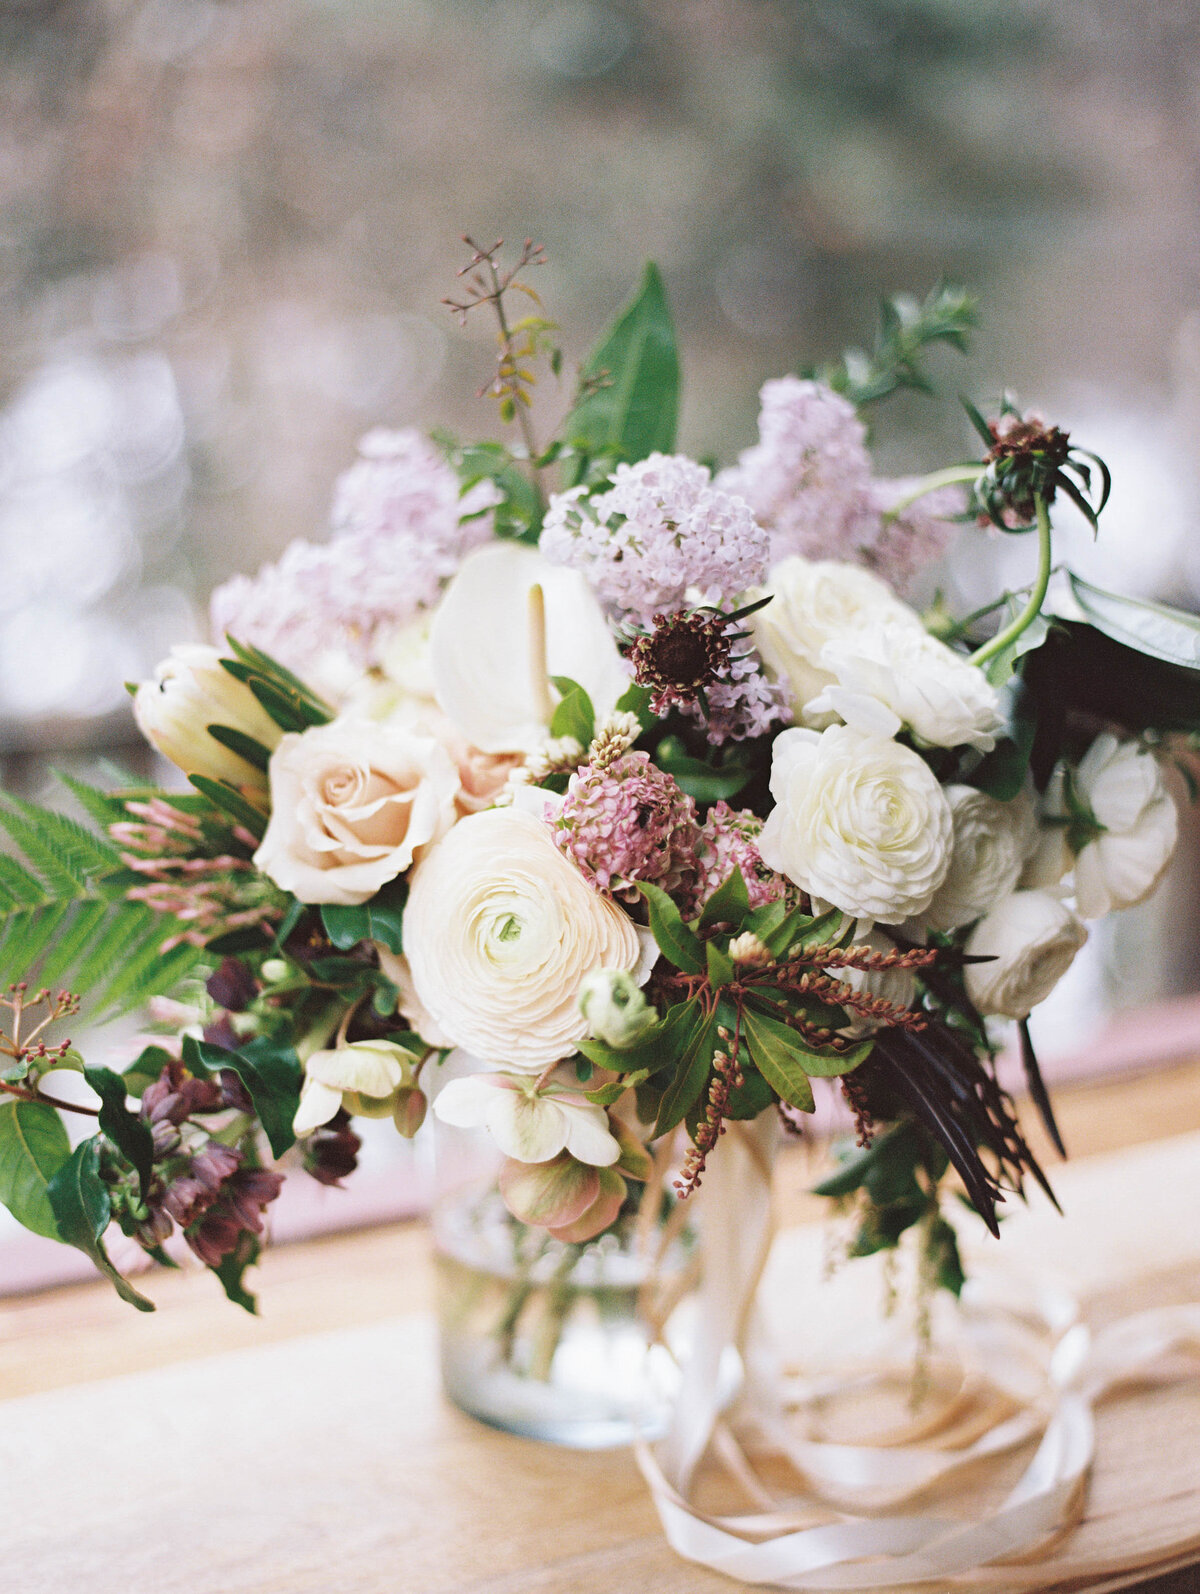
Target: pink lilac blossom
<point x="626" y="823"/>
<point x="919" y="534"/>
<point x="400" y="531"/>
<point x="661" y="530"/>
<point x="743" y="704"/>
<point x="728" y="841"/>
<point x="808" y="478"/>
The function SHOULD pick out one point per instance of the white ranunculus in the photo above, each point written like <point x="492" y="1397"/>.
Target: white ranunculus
<point x="364" y="1077"/>
<point x="858" y="820"/>
<point x="1032" y="937"/>
<point x="395" y="966"/>
<point x="887" y="676"/>
<point x="1051" y="858"/>
<point x="191" y="691"/>
<point x="991" y="843"/>
<point x="1123" y="786"/>
<point x="528" y="1121"/>
<point x="353" y="805"/>
<point x="487" y="668"/>
<point x="500" y="930"/>
<point x="814" y="602"/>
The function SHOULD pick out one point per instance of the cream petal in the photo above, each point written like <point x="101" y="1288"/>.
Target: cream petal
<point x="318" y="1103"/>
<point x="464" y="1103"/>
<point x="528" y="1128"/>
<point x="588" y="1137"/>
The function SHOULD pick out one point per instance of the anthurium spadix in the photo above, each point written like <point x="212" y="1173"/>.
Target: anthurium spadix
<point x="509" y="621"/>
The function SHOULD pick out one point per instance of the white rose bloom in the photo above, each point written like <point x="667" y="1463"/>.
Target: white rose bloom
<point x="353" y="805"/>
<point x="1124" y="788"/>
<point x="858" y="820"/>
<point x="991" y="843"/>
<point x="191" y="691"/>
<point x="528" y="1121"/>
<point x="814" y="602"/>
<point x="887" y="676"/>
<point x="363" y="1077"/>
<point x="485" y="661"/>
<point x="500" y="931"/>
<point x="1033" y="938"/>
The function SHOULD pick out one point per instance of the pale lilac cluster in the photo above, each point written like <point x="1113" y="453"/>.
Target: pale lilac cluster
<point x="743" y="703"/>
<point x="920" y="533"/>
<point x="400" y="530"/>
<point x="628" y="822"/>
<point x="808" y="478"/>
<point x="661" y="531"/>
<point x="728" y="841"/>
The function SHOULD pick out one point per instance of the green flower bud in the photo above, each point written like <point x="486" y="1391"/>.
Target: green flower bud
<point x="616" y="1011"/>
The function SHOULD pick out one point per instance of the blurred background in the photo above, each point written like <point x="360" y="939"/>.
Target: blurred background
<point x="228" y="224"/>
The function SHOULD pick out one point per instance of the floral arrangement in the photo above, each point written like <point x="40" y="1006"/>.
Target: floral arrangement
<point x="639" y="783"/>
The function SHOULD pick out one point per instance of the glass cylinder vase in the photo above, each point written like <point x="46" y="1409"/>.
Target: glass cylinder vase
<point x="573" y="1343"/>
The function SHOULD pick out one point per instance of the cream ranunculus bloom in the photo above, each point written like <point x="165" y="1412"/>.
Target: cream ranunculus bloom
<point x="364" y="1077"/>
<point x="889" y="675"/>
<point x="353" y="805"/>
<point x="500" y="931"/>
<point x="991" y="842"/>
<point x="1123" y="786"/>
<point x="814" y="602"/>
<point x="858" y="820"/>
<point x="528" y="1121"/>
<point x="1032" y="938"/>
<point x="191" y="691"/>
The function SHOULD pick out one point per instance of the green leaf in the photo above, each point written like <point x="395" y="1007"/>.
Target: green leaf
<point x="798" y="930"/>
<point x="704" y="783"/>
<point x="630" y="402"/>
<point x="146" y="1067"/>
<point x="1156" y="629"/>
<point x="271" y="1073"/>
<point x="244" y="746"/>
<point x="635" y="699"/>
<point x="690" y="1078"/>
<point x="231" y="1271"/>
<point x="749" y="1098"/>
<point x="130" y="1134"/>
<point x="280" y="676"/>
<point x="379" y="919"/>
<point x="720" y="965"/>
<point x="856" y="1167"/>
<point x="674" y="939"/>
<point x="606" y="1095"/>
<point x="230" y="801"/>
<point x="729" y="903"/>
<point x="774" y="1048"/>
<point x="1000" y="668"/>
<point x="657" y="1049"/>
<point x="82" y="1209"/>
<point x="1003" y="771"/>
<point x="574" y="715"/>
<point x="33" y="1147"/>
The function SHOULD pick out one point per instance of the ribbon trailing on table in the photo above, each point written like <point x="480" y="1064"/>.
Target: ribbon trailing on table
<point x="1037" y="1372"/>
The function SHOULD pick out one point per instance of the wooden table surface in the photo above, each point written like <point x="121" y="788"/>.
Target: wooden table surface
<point x="309" y="1449"/>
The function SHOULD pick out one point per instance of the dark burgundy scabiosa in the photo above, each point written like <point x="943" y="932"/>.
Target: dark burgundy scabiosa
<point x="1026" y="461"/>
<point x="681" y="656"/>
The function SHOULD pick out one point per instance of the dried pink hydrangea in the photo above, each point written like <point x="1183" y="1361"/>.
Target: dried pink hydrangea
<point x="903" y="545"/>
<point x="808" y="478"/>
<point x="661" y="531"/>
<point x="626" y="823"/>
<point x="401" y="529"/>
<point x="728" y="841"/>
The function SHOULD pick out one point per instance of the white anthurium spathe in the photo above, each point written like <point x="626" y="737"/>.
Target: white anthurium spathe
<point x="507" y="622"/>
<point x="363" y="1077"/>
<point x="531" y="1119"/>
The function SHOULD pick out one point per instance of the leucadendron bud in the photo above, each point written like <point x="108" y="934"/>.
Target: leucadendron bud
<point x="191" y="691"/>
<point x="616" y="1011"/>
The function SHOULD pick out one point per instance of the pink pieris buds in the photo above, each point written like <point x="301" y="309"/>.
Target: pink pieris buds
<point x="189" y="693"/>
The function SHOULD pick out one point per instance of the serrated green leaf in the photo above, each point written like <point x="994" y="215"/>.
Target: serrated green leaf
<point x="33" y="1147"/>
<point x="82" y="1209"/>
<point x="774" y="1048"/>
<point x="632" y="408"/>
<point x="675" y="940"/>
<point x="729" y="903"/>
<point x="691" y="1075"/>
<point x="574" y="714"/>
<point x="130" y="1134"/>
<point x="19" y="888"/>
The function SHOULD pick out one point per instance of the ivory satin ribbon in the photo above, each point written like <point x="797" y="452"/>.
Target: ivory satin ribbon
<point x="1043" y="1371"/>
